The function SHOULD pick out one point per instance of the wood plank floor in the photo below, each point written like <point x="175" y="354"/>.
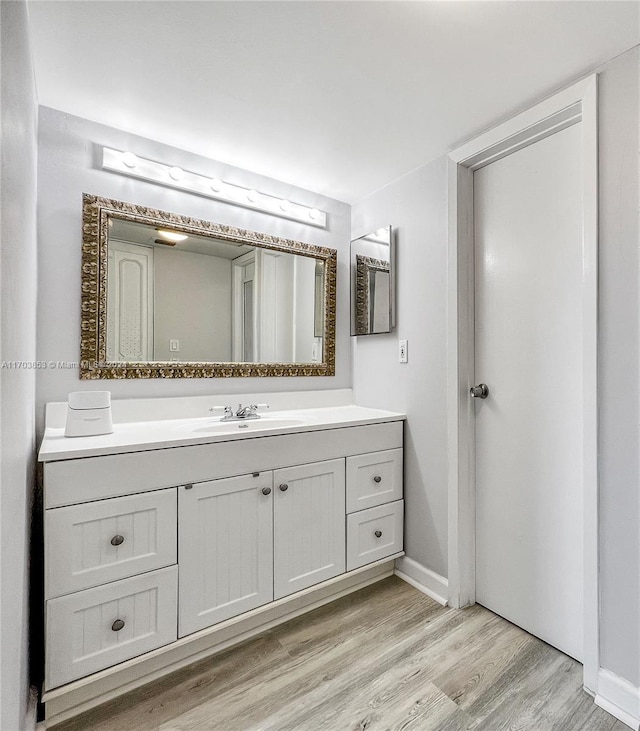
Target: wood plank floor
<point x="385" y="658"/>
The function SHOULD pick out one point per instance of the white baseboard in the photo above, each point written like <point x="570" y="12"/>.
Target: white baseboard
<point x="619" y="698"/>
<point x="423" y="579"/>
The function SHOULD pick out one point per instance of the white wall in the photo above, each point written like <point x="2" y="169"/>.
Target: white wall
<point x="192" y="295"/>
<point x="68" y="166"/>
<point x="416" y="206"/>
<point x="17" y="342"/>
<point x="619" y="377"/>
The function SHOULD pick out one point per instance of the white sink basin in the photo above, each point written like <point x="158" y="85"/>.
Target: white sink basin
<point x="229" y="427"/>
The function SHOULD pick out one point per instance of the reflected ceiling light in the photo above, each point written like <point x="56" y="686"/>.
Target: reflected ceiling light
<point x="126" y="163"/>
<point x="171" y="235"/>
<point x="129" y="159"/>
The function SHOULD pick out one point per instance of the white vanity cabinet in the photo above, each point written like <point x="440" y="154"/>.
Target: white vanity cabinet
<point x="159" y="557"/>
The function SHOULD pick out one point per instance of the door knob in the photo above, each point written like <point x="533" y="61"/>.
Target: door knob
<point x="266" y="491"/>
<point x="284" y="487"/>
<point x="479" y="391"/>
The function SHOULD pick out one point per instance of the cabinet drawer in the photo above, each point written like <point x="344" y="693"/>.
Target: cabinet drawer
<point x="374" y="479"/>
<point x="96" y="628"/>
<point x="374" y="534"/>
<point x="94" y="543"/>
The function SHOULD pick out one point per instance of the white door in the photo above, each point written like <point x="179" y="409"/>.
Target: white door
<point x="245" y="297"/>
<point x="308" y="525"/>
<point x="130" y="302"/>
<point x="528" y="350"/>
<point x="225" y="545"/>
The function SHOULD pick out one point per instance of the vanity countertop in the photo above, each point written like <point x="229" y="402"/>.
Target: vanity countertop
<point x="166" y="433"/>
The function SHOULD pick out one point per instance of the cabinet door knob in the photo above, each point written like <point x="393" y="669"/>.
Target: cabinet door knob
<point x="284" y="487"/>
<point x="266" y="491"/>
<point x="117" y="540"/>
<point x="117" y="625"/>
<point x="378" y="534"/>
<point x="377" y="478"/>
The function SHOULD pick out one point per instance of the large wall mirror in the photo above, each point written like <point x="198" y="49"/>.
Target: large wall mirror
<point x="372" y="283"/>
<point x="166" y="296"/>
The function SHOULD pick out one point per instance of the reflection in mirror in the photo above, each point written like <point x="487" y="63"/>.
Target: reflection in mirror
<point x="192" y="298"/>
<point x="372" y="283"/>
<point x="183" y="298"/>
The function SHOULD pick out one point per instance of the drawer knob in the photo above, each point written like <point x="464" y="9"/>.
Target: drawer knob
<point x="266" y="491"/>
<point x="378" y="534"/>
<point x="377" y="478"/>
<point x="117" y="540"/>
<point x="117" y="625"/>
<point x="284" y="487"/>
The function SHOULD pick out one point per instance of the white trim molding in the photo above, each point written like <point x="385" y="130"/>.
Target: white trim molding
<point x="423" y="579"/>
<point x="575" y="104"/>
<point x="619" y="698"/>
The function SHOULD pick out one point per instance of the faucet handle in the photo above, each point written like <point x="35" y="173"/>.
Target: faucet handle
<point x="228" y="410"/>
<point x="260" y="407"/>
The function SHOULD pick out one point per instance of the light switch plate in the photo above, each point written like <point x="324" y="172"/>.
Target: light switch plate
<point x="403" y="352"/>
<point x="174" y="346"/>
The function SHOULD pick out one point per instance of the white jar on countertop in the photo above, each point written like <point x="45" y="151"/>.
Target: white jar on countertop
<point x="88" y="414"/>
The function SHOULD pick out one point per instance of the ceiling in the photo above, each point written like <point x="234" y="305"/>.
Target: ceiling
<point x="337" y="97"/>
<point x="146" y="235"/>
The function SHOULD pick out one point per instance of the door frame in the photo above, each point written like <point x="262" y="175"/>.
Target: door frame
<point x="574" y="104"/>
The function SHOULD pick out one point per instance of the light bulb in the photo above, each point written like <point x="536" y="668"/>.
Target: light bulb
<point x="129" y="159"/>
<point x="285" y="205"/>
<point x="176" y="173"/>
<point x="252" y="196"/>
<point x="216" y="185"/>
<point x="171" y="235"/>
<point x="314" y="213"/>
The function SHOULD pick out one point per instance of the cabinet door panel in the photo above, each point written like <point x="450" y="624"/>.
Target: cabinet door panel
<point x="374" y="534"/>
<point x="309" y="525"/>
<point x="225" y="549"/>
<point x="374" y="479"/>
<point x="106" y="540"/>
<point x="96" y="628"/>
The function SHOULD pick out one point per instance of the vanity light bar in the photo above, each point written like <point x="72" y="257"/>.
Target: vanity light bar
<point x="127" y="163"/>
<point x="380" y="236"/>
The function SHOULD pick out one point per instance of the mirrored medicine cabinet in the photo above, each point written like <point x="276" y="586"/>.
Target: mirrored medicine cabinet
<point x="372" y="283"/>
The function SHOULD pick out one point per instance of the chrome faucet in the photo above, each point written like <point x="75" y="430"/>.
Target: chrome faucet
<point x="242" y="412"/>
<point x="247" y="412"/>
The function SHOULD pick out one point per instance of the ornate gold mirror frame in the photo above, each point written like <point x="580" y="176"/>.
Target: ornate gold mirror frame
<point x="96" y="213"/>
